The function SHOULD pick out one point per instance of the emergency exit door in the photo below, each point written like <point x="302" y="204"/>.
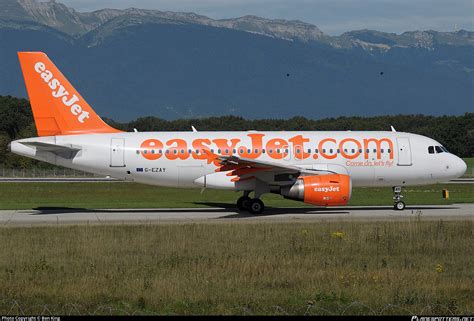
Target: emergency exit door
<point x="117" y="152"/>
<point x="404" y="151"/>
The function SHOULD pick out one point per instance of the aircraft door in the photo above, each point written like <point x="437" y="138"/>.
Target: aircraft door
<point x="404" y="151"/>
<point x="117" y="152"/>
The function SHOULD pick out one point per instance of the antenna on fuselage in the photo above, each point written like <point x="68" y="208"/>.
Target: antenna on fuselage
<point x="393" y="129"/>
<point x="194" y="129"/>
<point x="135" y="130"/>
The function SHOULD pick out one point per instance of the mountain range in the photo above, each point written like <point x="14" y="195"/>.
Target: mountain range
<point x="134" y="62"/>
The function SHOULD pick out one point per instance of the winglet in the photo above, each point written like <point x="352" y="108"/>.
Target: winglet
<point x="393" y="129"/>
<point x="58" y="108"/>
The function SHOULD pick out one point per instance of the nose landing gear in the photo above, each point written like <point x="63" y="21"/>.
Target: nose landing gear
<point x="397" y="197"/>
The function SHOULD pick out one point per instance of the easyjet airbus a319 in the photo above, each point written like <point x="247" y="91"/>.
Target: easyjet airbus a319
<point x="316" y="167"/>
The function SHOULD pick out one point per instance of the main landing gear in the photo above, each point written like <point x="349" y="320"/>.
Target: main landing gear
<point x="243" y="203"/>
<point x="253" y="205"/>
<point x="397" y="197"/>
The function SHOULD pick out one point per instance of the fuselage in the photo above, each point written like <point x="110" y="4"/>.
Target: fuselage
<point x="176" y="159"/>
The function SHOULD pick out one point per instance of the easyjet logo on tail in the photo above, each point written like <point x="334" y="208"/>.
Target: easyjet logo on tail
<point x="59" y="92"/>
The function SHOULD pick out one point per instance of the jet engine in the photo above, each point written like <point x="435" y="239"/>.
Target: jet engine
<point x="320" y="190"/>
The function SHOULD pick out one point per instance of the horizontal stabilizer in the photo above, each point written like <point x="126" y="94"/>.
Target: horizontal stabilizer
<point x="60" y="150"/>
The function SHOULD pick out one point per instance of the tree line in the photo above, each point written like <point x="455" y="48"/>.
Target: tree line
<point x="456" y="133"/>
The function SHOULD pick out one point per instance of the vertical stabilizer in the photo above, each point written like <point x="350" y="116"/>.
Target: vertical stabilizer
<point x="58" y="108"/>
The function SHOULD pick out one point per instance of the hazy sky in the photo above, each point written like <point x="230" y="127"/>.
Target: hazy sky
<point x="331" y="16"/>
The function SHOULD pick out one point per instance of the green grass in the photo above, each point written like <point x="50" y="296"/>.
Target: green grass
<point x="129" y="195"/>
<point x="404" y="267"/>
<point x="470" y="167"/>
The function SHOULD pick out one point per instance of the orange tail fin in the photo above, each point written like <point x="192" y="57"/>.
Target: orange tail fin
<point x="57" y="107"/>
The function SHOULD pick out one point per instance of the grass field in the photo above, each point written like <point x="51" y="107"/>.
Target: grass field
<point x="405" y="267"/>
<point x="408" y="267"/>
<point x="129" y="195"/>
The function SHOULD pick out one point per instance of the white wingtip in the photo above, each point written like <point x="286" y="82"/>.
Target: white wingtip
<point x="393" y="129"/>
<point x="194" y="129"/>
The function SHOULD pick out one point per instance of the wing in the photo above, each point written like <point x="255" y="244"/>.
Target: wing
<point x="270" y="172"/>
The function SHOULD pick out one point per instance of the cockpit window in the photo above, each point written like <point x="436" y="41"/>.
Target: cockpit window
<point x="437" y="149"/>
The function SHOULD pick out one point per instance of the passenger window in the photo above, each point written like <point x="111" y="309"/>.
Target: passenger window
<point x="431" y="149"/>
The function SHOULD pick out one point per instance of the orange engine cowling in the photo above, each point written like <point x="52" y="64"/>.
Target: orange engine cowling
<point x="320" y="190"/>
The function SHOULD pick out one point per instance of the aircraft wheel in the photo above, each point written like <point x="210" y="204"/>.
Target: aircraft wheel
<point x="256" y="206"/>
<point x="399" y="206"/>
<point x="243" y="203"/>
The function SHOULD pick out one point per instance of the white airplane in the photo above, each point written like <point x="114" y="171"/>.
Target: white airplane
<point x="316" y="167"/>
